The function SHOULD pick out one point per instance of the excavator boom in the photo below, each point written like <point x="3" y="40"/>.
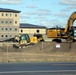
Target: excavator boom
<point x="70" y="22"/>
<point x="69" y="33"/>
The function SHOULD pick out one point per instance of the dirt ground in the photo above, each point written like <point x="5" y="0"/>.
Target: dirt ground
<point x="45" y="47"/>
<point x="43" y="51"/>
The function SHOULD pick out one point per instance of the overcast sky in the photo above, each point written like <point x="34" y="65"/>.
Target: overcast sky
<point x="42" y="12"/>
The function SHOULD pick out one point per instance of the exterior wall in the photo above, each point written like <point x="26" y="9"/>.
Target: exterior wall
<point x="31" y="31"/>
<point x="9" y="24"/>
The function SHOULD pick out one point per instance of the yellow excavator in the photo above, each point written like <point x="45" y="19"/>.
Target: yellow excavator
<point x="69" y="33"/>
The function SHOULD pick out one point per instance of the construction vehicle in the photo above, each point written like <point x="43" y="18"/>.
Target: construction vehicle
<point x="24" y="40"/>
<point x="53" y="32"/>
<point x="69" y="33"/>
<point x="39" y="37"/>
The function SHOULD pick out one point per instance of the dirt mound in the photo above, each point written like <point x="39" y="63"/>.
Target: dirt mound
<point x="40" y="47"/>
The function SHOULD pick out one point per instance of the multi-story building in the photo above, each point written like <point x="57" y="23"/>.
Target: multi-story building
<point x="9" y="23"/>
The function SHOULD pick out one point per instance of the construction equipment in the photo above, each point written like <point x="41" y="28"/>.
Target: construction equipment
<point x="53" y="32"/>
<point x="69" y="33"/>
<point x="39" y="37"/>
<point x="24" y="40"/>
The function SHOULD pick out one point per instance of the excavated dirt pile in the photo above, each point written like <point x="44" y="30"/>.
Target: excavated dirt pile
<point x="45" y="47"/>
<point x="40" y="52"/>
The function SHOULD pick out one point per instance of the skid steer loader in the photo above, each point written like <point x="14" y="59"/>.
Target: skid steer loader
<point x="24" y="40"/>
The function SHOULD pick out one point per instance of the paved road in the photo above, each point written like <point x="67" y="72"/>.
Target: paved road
<point x="38" y="69"/>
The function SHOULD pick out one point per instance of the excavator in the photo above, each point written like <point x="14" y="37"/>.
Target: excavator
<point x="68" y="33"/>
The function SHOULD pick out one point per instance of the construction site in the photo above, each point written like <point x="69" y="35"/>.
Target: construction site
<point x="58" y="45"/>
<point x="39" y="52"/>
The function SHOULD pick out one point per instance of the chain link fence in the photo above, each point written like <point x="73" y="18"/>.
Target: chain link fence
<point x="40" y="52"/>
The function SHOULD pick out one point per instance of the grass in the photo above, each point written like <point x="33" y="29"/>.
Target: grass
<point x="34" y="57"/>
<point x="45" y="52"/>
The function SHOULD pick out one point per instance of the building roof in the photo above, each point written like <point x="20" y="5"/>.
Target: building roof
<point x="9" y="10"/>
<point x="26" y="25"/>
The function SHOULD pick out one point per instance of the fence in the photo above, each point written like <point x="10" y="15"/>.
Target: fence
<point x="40" y="52"/>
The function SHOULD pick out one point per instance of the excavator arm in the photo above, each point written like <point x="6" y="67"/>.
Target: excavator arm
<point x="69" y="33"/>
<point x="70" y="22"/>
<point x="69" y="30"/>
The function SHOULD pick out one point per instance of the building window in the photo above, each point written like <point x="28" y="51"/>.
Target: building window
<point x="10" y="14"/>
<point x="1" y="35"/>
<point x="21" y="30"/>
<point x="2" y="21"/>
<point x="37" y="31"/>
<point x="15" y="15"/>
<point x="2" y="29"/>
<point x="10" y="28"/>
<point x="6" y="36"/>
<point x="15" y="29"/>
<point x="6" y="21"/>
<point x="2" y="14"/>
<point x="10" y="35"/>
<point x="6" y="29"/>
<point x="15" y="22"/>
<point x="6" y="14"/>
<point x="10" y="22"/>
